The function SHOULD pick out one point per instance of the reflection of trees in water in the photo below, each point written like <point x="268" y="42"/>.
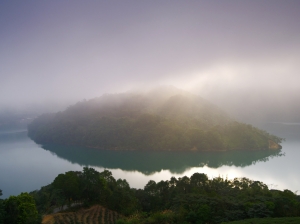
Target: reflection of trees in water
<point x="149" y="162"/>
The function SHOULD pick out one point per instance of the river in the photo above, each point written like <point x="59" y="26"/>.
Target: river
<point x="26" y="166"/>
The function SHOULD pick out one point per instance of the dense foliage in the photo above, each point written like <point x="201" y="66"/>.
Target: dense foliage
<point x="86" y="187"/>
<point x="289" y="220"/>
<point x="19" y="209"/>
<point x="200" y="200"/>
<point x="2" y="211"/>
<point x="197" y="199"/>
<point x="145" y="122"/>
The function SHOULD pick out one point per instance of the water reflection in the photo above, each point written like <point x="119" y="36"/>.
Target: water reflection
<point x="151" y="162"/>
<point x="13" y="136"/>
<point x="25" y="166"/>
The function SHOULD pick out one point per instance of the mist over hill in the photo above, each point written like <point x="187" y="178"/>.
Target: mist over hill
<point x="164" y="118"/>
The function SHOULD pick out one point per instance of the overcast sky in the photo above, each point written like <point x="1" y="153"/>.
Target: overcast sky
<point x="242" y="55"/>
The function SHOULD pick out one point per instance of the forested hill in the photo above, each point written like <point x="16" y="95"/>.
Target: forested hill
<point x="165" y="118"/>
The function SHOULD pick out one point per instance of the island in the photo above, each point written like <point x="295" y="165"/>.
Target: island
<point x="164" y="118"/>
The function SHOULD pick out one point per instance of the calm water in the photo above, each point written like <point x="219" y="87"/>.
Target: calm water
<point x="26" y="166"/>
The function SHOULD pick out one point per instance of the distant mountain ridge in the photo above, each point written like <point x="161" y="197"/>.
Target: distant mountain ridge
<point x="164" y="118"/>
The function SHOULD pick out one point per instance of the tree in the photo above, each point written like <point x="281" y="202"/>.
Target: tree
<point x="2" y="212"/>
<point x="92" y="185"/>
<point x="69" y="184"/>
<point x="183" y="185"/>
<point x="199" y="179"/>
<point x="122" y="198"/>
<point x="21" y="209"/>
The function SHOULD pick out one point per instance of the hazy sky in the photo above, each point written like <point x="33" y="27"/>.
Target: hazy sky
<point x="242" y="55"/>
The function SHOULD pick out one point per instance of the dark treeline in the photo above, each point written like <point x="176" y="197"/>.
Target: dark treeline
<point x="19" y="209"/>
<point x="197" y="199"/>
<point x="142" y="122"/>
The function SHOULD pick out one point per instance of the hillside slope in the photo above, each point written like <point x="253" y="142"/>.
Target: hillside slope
<point x="94" y="215"/>
<point x="162" y="119"/>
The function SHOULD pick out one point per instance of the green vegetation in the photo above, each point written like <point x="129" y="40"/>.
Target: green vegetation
<point x="2" y="211"/>
<point x="290" y="220"/>
<point x="154" y="121"/>
<point x="185" y="200"/>
<point x="197" y="199"/>
<point x="20" y="209"/>
<point x="87" y="188"/>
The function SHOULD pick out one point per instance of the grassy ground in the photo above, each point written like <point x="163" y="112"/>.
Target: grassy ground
<point x="288" y="220"/>
<point x="94" y="215"/>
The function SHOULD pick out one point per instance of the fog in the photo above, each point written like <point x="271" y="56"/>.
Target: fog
<point x="241" y="55"/>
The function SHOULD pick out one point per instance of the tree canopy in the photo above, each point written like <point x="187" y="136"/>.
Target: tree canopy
<point x="21" y="209"/>
<point x="155" y="121"/>
<point x="195" y="199"/>
<point x="2" y="211"/>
